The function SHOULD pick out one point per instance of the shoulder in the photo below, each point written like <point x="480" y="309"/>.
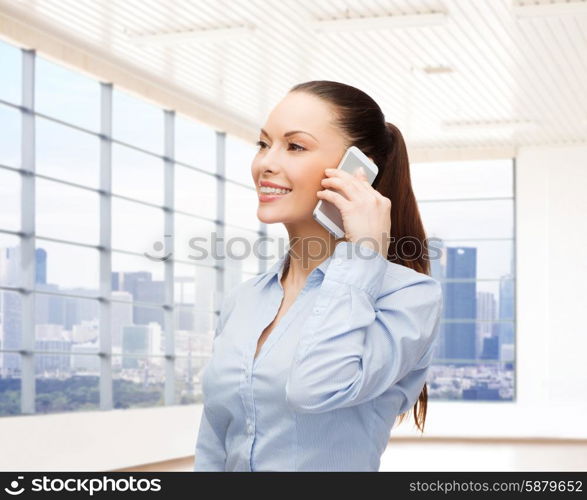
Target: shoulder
<point x="412" y="283"/>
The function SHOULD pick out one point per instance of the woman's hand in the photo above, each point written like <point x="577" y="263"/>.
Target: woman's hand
<point x="366" y="214"/>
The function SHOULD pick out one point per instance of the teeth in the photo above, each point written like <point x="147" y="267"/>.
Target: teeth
<point x="271" y="190"/>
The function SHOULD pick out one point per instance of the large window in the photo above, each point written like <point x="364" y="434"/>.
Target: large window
<point x="107" y="300"/>
<point x="468" y="212"/>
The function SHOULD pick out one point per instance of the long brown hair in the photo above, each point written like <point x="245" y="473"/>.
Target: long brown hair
<point x="362" y="121"/>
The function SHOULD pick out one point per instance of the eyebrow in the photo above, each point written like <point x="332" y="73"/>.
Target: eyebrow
<point x="292" y="132"/>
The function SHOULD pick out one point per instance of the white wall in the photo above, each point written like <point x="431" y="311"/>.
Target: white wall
<point x="551" y="190"/>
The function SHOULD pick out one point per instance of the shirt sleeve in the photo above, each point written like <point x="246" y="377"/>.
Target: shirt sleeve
<point x="210" y="454"/>
<point x="360" y="340"/>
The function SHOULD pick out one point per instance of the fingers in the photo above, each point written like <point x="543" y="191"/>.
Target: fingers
<point x="338" y="200"/>
<point x="350" y="184"/>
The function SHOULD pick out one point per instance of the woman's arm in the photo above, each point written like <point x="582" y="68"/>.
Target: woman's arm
<point x="360" y="340"/>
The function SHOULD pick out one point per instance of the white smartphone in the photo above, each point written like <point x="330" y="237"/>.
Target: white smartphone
<point x="325" y="212"/>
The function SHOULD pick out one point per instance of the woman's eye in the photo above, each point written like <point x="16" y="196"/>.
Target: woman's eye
<point x="297" y="147"/>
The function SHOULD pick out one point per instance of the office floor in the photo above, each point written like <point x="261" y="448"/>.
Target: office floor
<point x="455" y="455"/>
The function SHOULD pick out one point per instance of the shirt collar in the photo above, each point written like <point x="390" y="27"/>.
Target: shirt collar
<point x="277" y="270"/>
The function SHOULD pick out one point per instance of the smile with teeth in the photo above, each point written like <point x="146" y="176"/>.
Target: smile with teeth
<point x="272" y="190"/>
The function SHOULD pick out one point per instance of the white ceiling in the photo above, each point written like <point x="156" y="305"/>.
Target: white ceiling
<point x="532" y="72"/>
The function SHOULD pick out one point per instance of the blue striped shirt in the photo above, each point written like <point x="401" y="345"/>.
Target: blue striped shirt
<point x="350" y="354"/>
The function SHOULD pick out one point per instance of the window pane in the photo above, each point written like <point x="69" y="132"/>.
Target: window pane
<point x="66" y="383"/>
<point x="241" y="206"/>
<point x="121" y="316"/>
<point x="477" y="259"/>
<point x="487" y="300"/>
<point x="145" y="335"/>
<point x="66" y="319"/>
<point x="194" y="331"/>
<point x="195" y="143"/>
<point x="11" y="70"/>
<point x="10" y="187"/>
<point x="136" y="227"/>
<point x="276" y="246"/>
<point x="240" y="253"/>
<point x="10" y="124"/>
<point x="10" y="267"/>
<point x="138" y="382"/>
<point x="484" y="381"/>
<point x="11" y="328"/>
<point x="137" y="122"/>
<point x="195" y="285"/>
<point x="137" y="175"/>
<point x="140" y="277"/>
<point x="468" y="219"/>
<point x="67" y="95"/>
<point x="67" y="212"/>
<point x="70" y="268"/>
<point x="239" y="159"/>
<point x="188" y="386"/>
<point x="462" y="179"/>
<point x="67" y="153"/>
<point x="9" y="385"/>
<point x="195" y="192"/>
<point x="187" y="247"/>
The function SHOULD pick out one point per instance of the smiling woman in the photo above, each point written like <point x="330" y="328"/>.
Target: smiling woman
<point x="314" y="359"/>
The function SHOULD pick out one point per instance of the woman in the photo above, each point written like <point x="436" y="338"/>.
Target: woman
<point x="314" y="359"/>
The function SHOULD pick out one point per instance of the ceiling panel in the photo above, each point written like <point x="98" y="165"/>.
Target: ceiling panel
<point x="514" y="81"/>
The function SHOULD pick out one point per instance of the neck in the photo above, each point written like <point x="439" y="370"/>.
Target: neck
<point x="310" y="245"/>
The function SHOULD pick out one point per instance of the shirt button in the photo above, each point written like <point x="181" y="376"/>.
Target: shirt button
<point x="250" y="428"/>
<point x="317" y="310"/>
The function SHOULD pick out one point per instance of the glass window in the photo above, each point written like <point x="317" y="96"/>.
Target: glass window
<point x="66" y="153"/>
<point x="10" y="138"/>
<point x="66" y="319"/>
<point x="139" y="277"/>
<point x="466" y="179"/>
<point x="136" y="227"/>
<point x="67" y="95"/>
<point x="194" y="239"/>
<point x="137" y="175"/>
<point x="66" y="382"/>
<point x="471" y="243"/>
<point x="468" y="219"/>
<point x="10" y="263"/>
<point x="10" y="384"/>
<point x="194" y="331"/>
<point x="68" y="268"/>
<point x="239" y="159"/>
<point x="11" y="329"/>
<point x="195" y="192"/>
<point x="188" y="384"/>
<point x="241" y="206"/>
<point x="67" y="212"/>
<point x="11" y="70"/>
<point x="240" y="254"/>
<point x="137" y="122"/>
<point x="195" y="143"/>
<point x="194" y="285"/>
<point x="138" y="381"/>
<point x="10" y="187"/>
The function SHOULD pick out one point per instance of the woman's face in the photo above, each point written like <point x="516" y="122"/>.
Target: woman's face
<point x="298" y="141"/>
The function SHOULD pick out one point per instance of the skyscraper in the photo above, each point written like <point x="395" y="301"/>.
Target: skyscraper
<point x="461" y="303"/>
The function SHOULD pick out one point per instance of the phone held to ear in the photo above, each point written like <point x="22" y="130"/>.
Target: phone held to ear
<point x="325" y="212"/>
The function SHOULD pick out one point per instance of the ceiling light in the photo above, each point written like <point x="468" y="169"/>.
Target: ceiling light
<point x="557" y="8"/>
<point x="194" y="35"/>
<point x="488" y="124"/>
<point x="433" y="70"/>
<point x="380" y="22"/>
